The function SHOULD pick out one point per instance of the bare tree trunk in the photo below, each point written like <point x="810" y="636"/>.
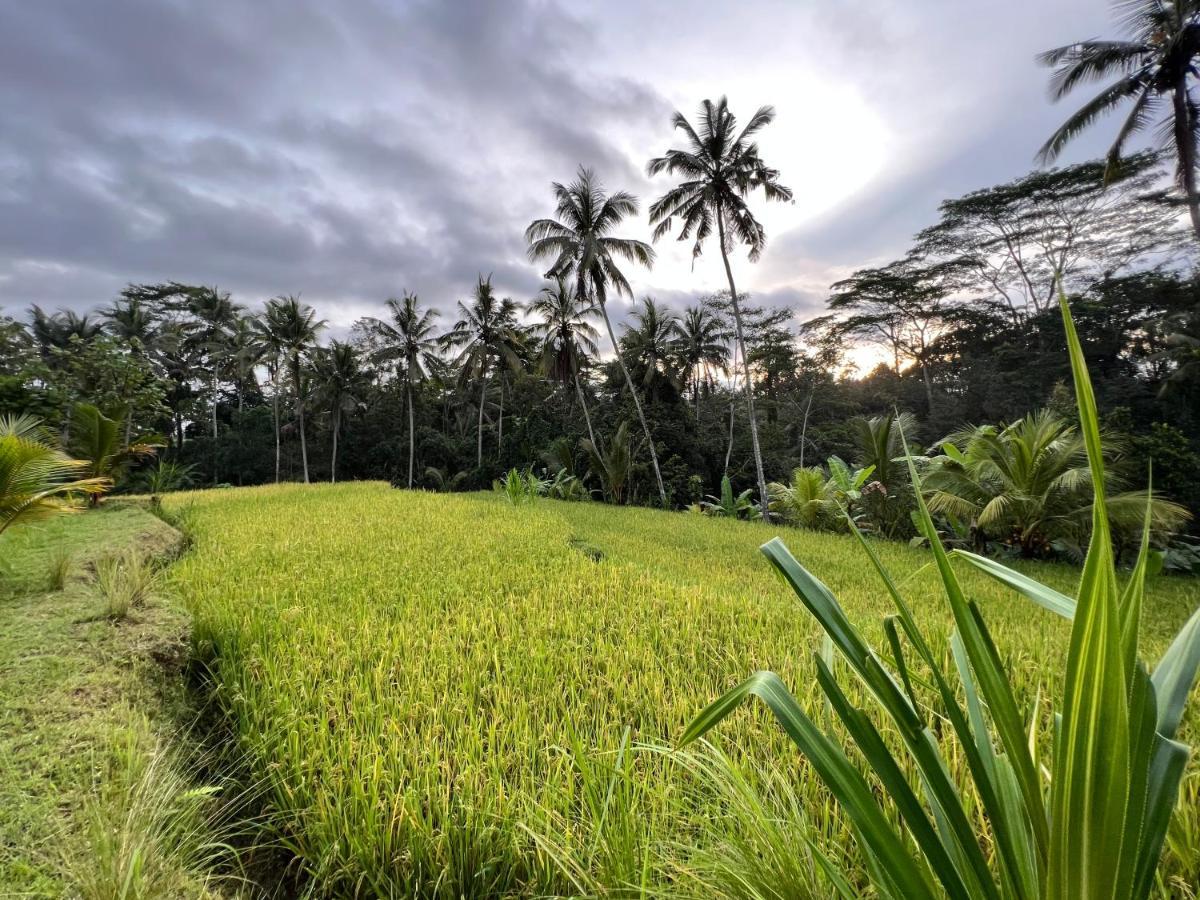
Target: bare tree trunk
<point x="662" y="491"/>
<point x="216" y="477"/>
<point x="741" y="342"/>
<point x="583" y="403"/>
<point x="729" y="446"/>
<point x="1185" y="150"/>
<point x="411" y="435"/>
<point x="500" y="426"/>
<point x="928" y="387"/>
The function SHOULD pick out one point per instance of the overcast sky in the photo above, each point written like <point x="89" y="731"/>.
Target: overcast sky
<point x="348" y="151"/>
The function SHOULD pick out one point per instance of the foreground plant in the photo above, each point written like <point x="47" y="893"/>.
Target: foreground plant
<point x="1115" y="768"/>
<point x="37" y="479"/>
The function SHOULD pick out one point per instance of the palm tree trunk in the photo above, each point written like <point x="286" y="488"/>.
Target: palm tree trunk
<point x="216" y="477"/>
<point x="586" y="418"/>
<point x="275" y="417"/>
<point x="729" y="446"/>
<point x="411" y="435"/>
<point x="300" y="416"/>
<point x="479" y="430"/>
<point x="500" y="428"/>
<point x="662" y="491"/>
<point x="741" y="342"/>
<point x="1185" y="149"/>
<point x="337" y="423"/>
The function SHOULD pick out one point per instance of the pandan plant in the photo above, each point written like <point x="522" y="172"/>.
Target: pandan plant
<point x="1092" y="823"/>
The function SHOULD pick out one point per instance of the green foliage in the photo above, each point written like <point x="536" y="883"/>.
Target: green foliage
<point x="37" y="479"/>
<point x="1116" y="764"/>
<point x="166" y="476"/>
<point x="814" y="500"/>
<point x="611" y="465"/>
<point x="104" y="443"/>
<point x="728" y="505"/>
<point x="520" y="488"/>
<point x="1029" y="483"/>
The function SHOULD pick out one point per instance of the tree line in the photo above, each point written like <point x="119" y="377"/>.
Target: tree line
<point x="724" y="400"/>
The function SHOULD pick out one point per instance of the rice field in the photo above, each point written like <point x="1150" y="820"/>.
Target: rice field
<point x="446" y="695"/>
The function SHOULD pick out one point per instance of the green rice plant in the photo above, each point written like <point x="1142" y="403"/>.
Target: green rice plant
<point x="1115" y="770"/>
<point x="409" y="695"/>
<point x="126" y="581"/>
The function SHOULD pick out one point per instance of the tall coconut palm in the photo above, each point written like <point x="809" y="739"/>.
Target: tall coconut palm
<point x="1155" y="65"/>
<point x="719" y="168"/>
<point x="267" y="333"/>
<point x="568" y="338"/>
<point x="213" y="316"/>
<point x="294" y="328"/>
<point x="487" y="334"/>
<point x="580" y="243"/>
<point x="407" y="339"/>
<point x="341" y="383"/>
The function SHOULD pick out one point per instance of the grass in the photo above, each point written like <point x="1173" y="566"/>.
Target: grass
<point x="86" y="708"/>
<point x="444" y="695"/>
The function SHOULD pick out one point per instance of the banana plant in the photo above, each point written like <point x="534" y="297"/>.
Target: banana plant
<point x="1096" y="831"/>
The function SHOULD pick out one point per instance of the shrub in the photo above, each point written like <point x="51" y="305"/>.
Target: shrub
<point x="126" y="581"/>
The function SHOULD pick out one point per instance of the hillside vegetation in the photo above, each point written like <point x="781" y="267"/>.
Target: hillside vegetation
<point x="436" y="689"/>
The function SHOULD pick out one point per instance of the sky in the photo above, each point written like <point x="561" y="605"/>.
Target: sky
<point x="349" y="151"/>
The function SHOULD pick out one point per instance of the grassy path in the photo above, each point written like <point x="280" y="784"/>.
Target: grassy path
<point x="84" y="701"/>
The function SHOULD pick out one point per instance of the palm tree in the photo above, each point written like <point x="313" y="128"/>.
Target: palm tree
<point x="133" y="322"/>
<point x="702" y="347"/>
<point x="340" y="383"/>
<point x="35" y="476"/>
<point x="612" y="465"/>
<point x="1029" y="482"/>
<point x="1156" y="62"/>
<point x="880" y="444"/>
<point x="651" y="343"/>
<point x="95" y="439"/>
<point x="581" y="244"/>
<point x="267" y="329"/>
<point x="568" y="338"/>
<point x="242" y="353"/>
<point x="487" y="334"/>
<point x="719" y="168"/>
<point x="293" y="327"/>
<point x="53" y="331"/>
<point x="213" y="315"/>
<point x="407" y="339"/>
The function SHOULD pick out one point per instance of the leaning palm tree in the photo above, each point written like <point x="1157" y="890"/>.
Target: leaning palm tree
<point x="581" y="244"/>
<point x="294" y="327"/>
<point x="719" y="168"/>
<point x="568" y="338"/>
<point x="1156" y="63"/>
<point x="487" y="334"/>
<point x="340" y="385"/>
<point x="406" y="338"/>
<point x="702" y="348"/>
<point x="36" y="478"/>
